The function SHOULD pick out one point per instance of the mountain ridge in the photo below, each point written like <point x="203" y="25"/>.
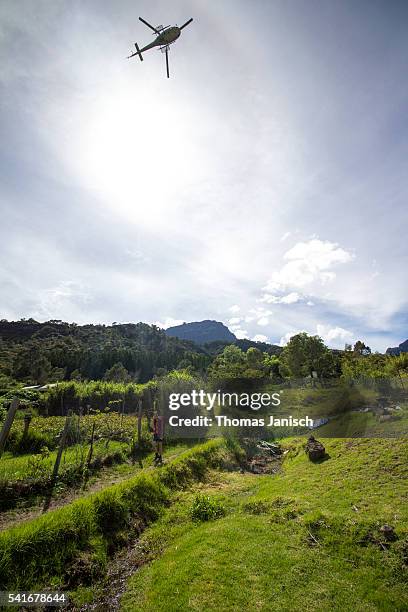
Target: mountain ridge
<point x="202" y="332"/>
<point x="397" y="350"/>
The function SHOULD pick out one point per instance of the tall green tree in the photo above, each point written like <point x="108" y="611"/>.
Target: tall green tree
<point x="306" y="354"/>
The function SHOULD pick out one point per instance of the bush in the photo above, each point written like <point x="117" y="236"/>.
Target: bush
<point x="206" y="508"/>
<point x="236" y="449"/>
<point x="111" y="512"/>
<point x="33" y="442"/>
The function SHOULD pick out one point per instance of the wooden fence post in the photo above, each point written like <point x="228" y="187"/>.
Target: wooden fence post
<point x="139" y="423"/>
<point x="27" y="421"/>
<point x="15" y="402"/>
<point x="88" y="463"/>
<point x="61" y="448"/>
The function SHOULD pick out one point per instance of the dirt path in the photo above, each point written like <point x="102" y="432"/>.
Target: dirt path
<point x="105" y="478"/>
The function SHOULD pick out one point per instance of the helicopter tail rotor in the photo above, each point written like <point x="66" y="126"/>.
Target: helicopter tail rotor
<point x="138" y="52"/>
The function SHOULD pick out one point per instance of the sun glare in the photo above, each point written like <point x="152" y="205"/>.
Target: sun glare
<point x="137" y="154"/>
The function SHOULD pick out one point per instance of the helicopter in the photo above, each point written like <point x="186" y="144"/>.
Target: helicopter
<point x="165" y="37"/>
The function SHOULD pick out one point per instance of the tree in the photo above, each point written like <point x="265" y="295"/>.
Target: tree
<point x="117" y="373"/>
<point x="398" y="366"/>
<point x="271" y="364"/>
<point x="76" y="375"/>
<point x="306" y="354"/>
<point x="230" y="364"/>
<point x="233" y="364"/>
<point x="254" y="357"/>
<point x="361" y="349"/>
<point x="357" y="367"/>
<point x="40" y="370"/>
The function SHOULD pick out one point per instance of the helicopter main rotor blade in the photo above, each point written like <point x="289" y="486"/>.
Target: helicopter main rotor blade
<point x="167" y="63"/>
<point x="186" y="24"/>
<point x="149" y="25"/>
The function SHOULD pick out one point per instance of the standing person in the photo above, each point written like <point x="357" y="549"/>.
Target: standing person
<point x="158" y="432"/>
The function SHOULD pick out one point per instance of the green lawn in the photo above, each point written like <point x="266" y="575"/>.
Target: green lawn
<point x="308" y="539"/>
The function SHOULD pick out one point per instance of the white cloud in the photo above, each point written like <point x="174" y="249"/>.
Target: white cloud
<point x="285" y="236"/>
<point x="290" y="298"/>
<point x="260" y="338"/>
<point x="285" y="339"/>
<point x="234" y="320"/>
<point x="335" y="337"/>
<point x="234" y="309"/>
<point x="263" y="321"/>
<point x="308" y="263"/>
<point x="241" y="333"/>
<point x="169" y="322"/>
<point x="260" y="311"/>
<point x="54" y="302"/>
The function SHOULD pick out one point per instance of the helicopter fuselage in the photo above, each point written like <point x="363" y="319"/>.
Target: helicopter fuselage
<point x="168" y="36"/>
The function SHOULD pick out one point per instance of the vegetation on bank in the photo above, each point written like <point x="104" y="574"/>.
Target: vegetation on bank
<point x="49" y="550"/>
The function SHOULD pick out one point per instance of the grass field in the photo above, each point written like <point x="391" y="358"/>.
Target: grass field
<point x="307" y="539"/>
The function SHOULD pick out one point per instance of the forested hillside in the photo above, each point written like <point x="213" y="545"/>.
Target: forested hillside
<point x="38" y="353"/>
<point x="41" y="352"/>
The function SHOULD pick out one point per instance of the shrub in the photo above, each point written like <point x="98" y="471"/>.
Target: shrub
<point x="33" y="442"/>
<point x="206" y="508"/>
<point x="235" y="449"/>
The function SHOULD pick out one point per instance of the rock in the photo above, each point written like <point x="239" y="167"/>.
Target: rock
<point x="388" y="533"/>
<point x="269" y="447"/>
<point x="315" y="449"/>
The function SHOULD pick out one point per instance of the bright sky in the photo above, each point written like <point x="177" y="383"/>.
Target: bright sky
<point x="263" y="185"/>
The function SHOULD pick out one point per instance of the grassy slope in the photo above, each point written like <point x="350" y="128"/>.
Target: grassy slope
<point x="63" y="494"/>
<point x="298" y="541"/>
<point x="43" y="551"/>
